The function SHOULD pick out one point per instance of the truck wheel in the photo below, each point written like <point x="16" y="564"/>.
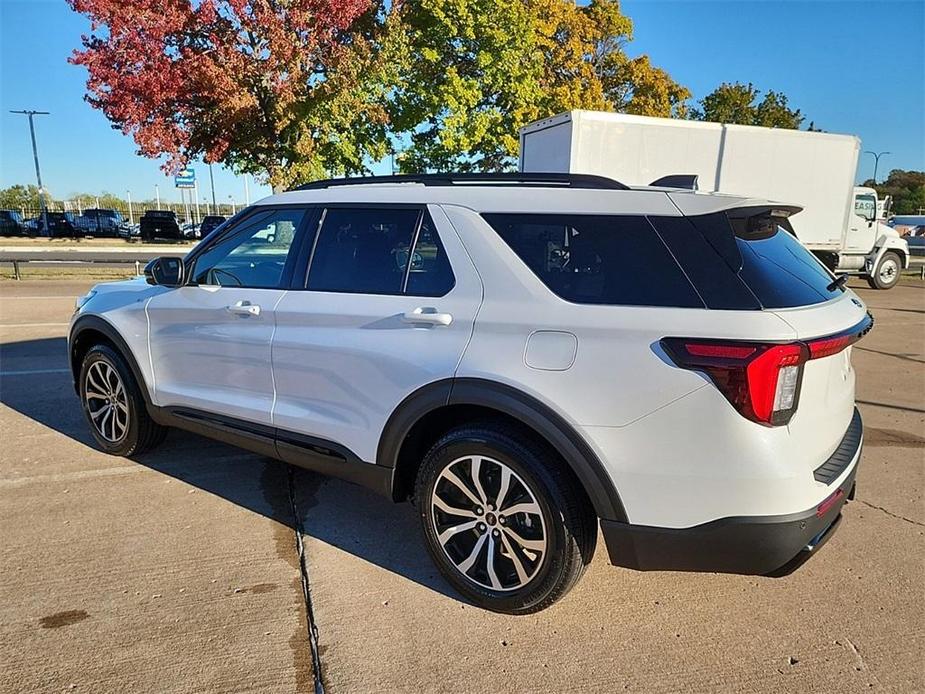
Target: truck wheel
<point x="886" y="274"/>
<point x="502" y="521"/>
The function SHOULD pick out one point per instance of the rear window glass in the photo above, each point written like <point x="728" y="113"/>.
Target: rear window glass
<point x="782" y="273"/>
<point x="597" y="259"/>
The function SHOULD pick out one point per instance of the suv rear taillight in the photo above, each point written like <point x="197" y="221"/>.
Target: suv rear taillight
<point x="760" y="379"/>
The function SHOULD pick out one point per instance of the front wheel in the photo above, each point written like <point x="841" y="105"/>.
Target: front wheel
<point x="113" y="405"/>
<point x="886" y="274"/>
<point x="504" y="522"/>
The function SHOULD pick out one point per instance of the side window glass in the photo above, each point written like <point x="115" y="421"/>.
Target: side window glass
<point x="253" y="255"/>
<point x="363" y="250"/>
<point x="865" y="206"/>
<point x="597" y="259"/>
<point x="430" y="273"/>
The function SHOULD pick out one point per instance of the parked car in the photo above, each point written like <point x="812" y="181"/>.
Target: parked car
<point x="11" y="223"/>
<point x="102" y="222"/>
<point x="130" y="231"/>
<point x="479" y="344"/>
<point x="209" y="223"/>
<point x="916" y="240"/>
<point x="160" y="225"/>
<point x="190" y="230"/>
<point x="62" y="224"/>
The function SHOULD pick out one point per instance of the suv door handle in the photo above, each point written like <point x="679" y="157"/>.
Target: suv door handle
<point x="244" y="308"/>
<point x="426" y="315"/>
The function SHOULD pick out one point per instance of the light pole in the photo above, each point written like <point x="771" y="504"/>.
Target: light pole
<point x="131" y="215"/>
<point x="212" y="183"/>
<point x="38" y="173"/>
<point x="195" y="194"/>
<point x="157" y="194"/>
<point x="231" y="197"/>
<point x="876" y="156"/>
<point x="247" y="194"/>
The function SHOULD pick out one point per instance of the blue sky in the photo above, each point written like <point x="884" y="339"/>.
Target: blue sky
<point x="852" y="67"/>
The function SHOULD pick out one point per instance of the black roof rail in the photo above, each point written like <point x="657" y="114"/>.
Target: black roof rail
<point x="566" y="180"/>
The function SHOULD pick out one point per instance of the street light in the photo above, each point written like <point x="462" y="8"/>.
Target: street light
<point x="231" y="197"/>
<point x="38" y="173"/>
<point x="157" y="194"/>
<point x="876" y="156"/>
<point x="131" y="216"/>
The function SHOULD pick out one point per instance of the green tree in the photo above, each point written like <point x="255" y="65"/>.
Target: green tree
<point x="474" y="71"/>
<point x="737" y="103"/>
<point x="106" y="200"/>
<point x="17" y="197"/>
<point x="907" y="189"/>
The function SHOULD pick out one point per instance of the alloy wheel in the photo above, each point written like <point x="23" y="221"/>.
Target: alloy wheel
<point x="106" y="401"/>
<point x="488" y="522"/>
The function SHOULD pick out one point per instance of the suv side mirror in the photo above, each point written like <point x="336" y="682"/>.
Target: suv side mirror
<point x="165" y="271"/>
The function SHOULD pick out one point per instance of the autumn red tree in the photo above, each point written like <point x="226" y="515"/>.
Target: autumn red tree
<point x="270" y="87"/>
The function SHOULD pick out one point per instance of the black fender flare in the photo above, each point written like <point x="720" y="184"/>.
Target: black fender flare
<point x="535" y="414"/>
<point x="97" y="324"/>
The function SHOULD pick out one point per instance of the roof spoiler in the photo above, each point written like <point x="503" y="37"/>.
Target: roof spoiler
<point x="686" y="181"/>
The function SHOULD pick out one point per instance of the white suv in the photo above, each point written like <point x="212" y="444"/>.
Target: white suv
<point x="524" y="355"/>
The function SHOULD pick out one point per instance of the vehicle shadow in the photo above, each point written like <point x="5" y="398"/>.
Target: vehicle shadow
<point x="337" y="513"/>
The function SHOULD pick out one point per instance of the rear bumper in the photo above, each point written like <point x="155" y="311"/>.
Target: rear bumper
<point x="756" y="545"/>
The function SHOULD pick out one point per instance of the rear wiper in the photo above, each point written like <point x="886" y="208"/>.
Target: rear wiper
<point x="839" y="281"/>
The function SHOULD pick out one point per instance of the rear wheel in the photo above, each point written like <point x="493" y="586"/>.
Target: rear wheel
<point x="886" y="274"/>
<point x="504" y="523"/>
<point x="113" y="405"/>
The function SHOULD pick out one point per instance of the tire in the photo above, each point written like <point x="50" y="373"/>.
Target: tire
<point x="563" y="522"/>
<point x="126" y="428"/>
<point x="886" y="274"/>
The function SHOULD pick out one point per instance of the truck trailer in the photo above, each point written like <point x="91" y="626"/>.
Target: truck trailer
<point x="813" y="170"/>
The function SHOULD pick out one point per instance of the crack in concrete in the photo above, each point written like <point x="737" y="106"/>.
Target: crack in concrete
<point x="859" y="663"/>
<point x="306" y="593"/>
<point x="890" y="513"/>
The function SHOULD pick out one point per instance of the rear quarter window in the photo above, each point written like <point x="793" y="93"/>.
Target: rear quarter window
<point x="597" y="259"/>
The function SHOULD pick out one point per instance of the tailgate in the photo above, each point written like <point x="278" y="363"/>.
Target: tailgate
<point x="826" y="403"/>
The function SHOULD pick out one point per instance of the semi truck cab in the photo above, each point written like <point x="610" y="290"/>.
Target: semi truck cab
<point x="870" y="247"/>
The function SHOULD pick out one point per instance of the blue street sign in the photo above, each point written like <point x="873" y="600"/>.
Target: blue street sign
<point x="185" y="179"/>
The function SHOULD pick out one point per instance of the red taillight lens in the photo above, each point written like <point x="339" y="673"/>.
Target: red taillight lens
<point x="774" y="382"/>
<point x="828" y="346"/>
<point x="762" y="381"/>
<point x="726" y="351"/>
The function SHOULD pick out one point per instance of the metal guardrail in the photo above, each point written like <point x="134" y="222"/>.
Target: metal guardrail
<point x="17" y="262"/>
<point x="89" y="256"/>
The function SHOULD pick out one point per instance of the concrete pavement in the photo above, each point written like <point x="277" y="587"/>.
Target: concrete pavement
<point x="178" y="571"/>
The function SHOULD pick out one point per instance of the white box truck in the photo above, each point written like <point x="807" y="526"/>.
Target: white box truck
<point x="813" y="170"/>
